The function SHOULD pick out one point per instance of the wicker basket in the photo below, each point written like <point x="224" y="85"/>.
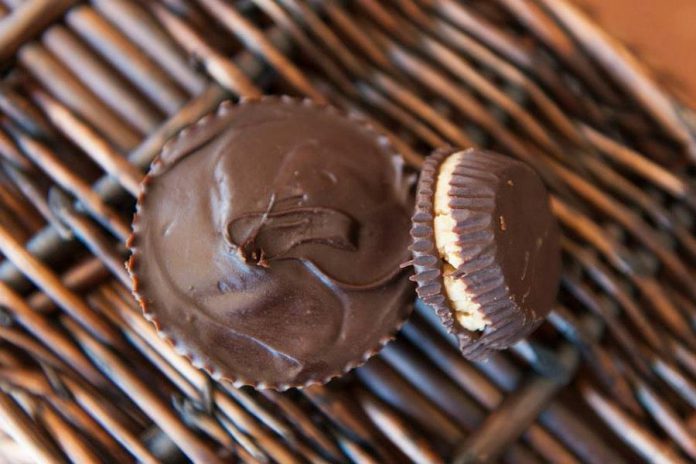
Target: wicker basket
<point x="91" y="91"/>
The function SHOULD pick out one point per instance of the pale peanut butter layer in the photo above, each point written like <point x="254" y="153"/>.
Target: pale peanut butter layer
<point x="467" y="312"/>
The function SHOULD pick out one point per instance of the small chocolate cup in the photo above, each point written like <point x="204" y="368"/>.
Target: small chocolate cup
<point x="485" y="248"/>
<point x="267" y="243"/>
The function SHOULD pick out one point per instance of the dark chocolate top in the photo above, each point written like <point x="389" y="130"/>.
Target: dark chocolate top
<point x="509" y="243"/>
<point x="268" y="241"/>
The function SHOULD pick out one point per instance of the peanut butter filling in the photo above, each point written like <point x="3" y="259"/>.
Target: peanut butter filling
<point x="467" y="312"/>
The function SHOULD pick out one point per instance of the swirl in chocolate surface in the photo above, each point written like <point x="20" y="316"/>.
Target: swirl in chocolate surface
<point x="268" y="241"/>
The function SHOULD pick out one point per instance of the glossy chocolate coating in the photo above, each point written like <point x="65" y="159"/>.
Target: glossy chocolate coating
<point x="268" y="241"/>
<point x="509" y="243"/>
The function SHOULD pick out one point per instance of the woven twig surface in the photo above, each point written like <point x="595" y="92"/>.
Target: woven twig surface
<point x="91" y="91"/>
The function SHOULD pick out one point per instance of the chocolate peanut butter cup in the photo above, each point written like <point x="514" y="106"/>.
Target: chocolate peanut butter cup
<point x="485" y="247"/>
<point x="267" y="242"/>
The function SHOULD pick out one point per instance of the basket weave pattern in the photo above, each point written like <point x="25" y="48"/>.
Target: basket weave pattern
<point x="90" y="93"/>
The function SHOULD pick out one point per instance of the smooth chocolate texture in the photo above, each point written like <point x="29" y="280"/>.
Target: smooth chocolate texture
<point x="510" y="247"/>
<point x="268" y="239"/>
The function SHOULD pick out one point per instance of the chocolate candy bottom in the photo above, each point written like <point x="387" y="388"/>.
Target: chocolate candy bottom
<point x="485" y="248"/>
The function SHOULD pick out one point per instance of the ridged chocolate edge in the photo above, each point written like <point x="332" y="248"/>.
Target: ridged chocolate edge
<point x="158" y="167"/>
<point x="472" y="193"/>
<point x="472" y="200"/>
<point x="426" y="262"/>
